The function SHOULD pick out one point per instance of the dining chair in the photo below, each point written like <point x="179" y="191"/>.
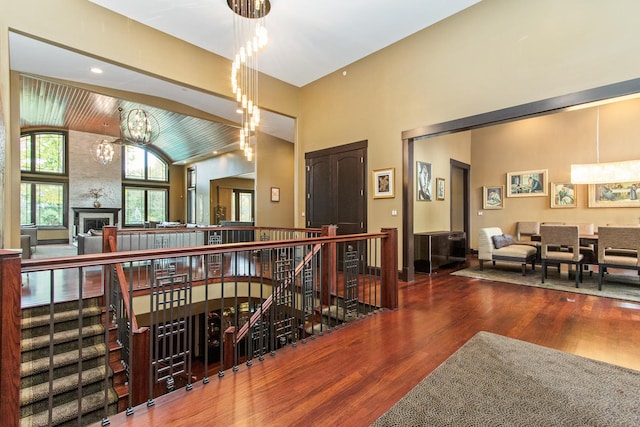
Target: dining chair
<point x="616" y="249"/>
<point x="525" y="230"/>
<point x="554" y="236"/>
<point x="624" y="252"/>
<point x="588" y="250"/>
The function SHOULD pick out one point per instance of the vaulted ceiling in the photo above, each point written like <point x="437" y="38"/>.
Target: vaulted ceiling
<point x="308" y="39"/>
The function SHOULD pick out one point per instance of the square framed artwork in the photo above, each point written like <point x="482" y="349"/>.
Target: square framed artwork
<point x="493" y="197"/>
<point x="614" y="195"/>
<point x="527" y="183"/>
<point x="383" y="183"/>
<point x="423" y="181"/>
<point x="563" y="195"/>
<point x="440" y="188"/>
<point x="275" y="194"/>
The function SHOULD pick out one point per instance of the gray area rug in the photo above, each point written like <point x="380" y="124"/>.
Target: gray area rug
<point x="625" y="285"/>
<point x="498" y="381"/>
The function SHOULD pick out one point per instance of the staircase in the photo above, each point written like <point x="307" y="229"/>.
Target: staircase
<point x="36" y="365"/>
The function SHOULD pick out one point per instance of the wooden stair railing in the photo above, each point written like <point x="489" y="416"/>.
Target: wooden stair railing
<point x="390" y="276"/>
<point x="276" y="291"/>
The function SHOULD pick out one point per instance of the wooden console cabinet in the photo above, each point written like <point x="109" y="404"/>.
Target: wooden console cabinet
<point x="434" y="249"/>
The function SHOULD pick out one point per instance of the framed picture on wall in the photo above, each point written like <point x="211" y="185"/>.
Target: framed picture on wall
<point x="423" y="181"/>
<point x="614" y="195"/>
<point x="383" y="183"/>
<point x="275" y="194"/>
<point x="563" y="195"/>
<point x="493" y="197"/>
<point x="440" y="188"/>
<point x="527" y="183"/>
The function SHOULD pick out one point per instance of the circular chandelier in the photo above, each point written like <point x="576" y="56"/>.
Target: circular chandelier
<point x="250" y="36"/>
<point x="103" y="152"/>
<point x="138" y="127"/>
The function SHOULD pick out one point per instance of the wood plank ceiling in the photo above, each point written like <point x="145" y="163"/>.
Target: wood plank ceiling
<point x="182" y="138"/>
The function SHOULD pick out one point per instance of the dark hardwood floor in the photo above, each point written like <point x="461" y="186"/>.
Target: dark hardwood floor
<point x="351" y="376"/>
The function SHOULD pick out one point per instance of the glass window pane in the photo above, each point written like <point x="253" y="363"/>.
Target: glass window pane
<point x="49" y="204"/>
<point x="233" y="207"/>
<point x="25" y="204"/>
<point x="134" y="162"/>
<point x="25" y="153"/>
<point x="157" y="168"/>
<point x="157" y="205"/>
<point x="134" y="206"/>
<point x="49" y="153"/>
<point x="246" y="205"/>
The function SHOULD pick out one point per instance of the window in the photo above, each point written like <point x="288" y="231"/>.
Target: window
<point x="141" y="164"/>
<point x="146" y="190"/>
<point x="44" y="180"/>
<point x="242" y="205"/>
<point x="191" y="195"/>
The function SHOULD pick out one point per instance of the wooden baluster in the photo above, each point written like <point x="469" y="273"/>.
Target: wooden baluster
<point x="329" y="267"/>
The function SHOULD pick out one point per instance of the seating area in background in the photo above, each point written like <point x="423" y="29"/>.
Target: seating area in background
<point x="579" y="245"/>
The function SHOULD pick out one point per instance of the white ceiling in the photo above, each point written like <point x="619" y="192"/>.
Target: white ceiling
<point x="307" y="40"/>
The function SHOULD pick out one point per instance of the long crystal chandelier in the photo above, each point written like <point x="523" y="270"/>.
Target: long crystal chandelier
<point x="250" y="36"/>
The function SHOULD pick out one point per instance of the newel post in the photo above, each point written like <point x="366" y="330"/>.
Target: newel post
<point x="389" y="264"/>
<point x="228" y="349"/>
<point x="329" y="268"/>
<point x="140" y="368"/>
<point x="108" y="231"/>
<point x="10" y="290"/>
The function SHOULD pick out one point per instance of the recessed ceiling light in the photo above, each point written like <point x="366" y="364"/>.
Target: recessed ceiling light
<point x="96" y="70"/>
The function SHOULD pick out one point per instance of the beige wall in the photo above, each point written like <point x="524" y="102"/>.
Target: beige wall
<point x="274" y="168"/>
<point x="552" y="142"/>
<point x="496" y="54"/>
<point x="435" y="215"/>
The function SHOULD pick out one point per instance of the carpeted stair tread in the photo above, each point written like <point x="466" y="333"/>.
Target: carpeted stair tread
<point x="58" y="307"/>
<point x="68" y="411"/>
<point x="45" y="319"/>
<point x="40" y="391"/>
<point x="61" y="359"/>
<point x="60" y="337"/>
<point x="317" y="328"/>
<point x="338" y="313"/>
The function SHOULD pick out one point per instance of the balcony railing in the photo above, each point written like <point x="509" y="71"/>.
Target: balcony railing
<point x="176" y="315"/>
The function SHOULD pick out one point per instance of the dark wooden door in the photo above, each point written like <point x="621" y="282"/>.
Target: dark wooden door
<point x="336" y="188"/>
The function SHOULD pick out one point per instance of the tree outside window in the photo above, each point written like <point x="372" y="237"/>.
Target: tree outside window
<point x="43" y="190"/>
<point x="146" y="192"/>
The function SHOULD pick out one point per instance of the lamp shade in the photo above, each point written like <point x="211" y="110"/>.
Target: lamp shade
<point x="603" y="173"/>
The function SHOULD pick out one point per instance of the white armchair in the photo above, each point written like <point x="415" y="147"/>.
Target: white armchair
<point x="510" y="252"/>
